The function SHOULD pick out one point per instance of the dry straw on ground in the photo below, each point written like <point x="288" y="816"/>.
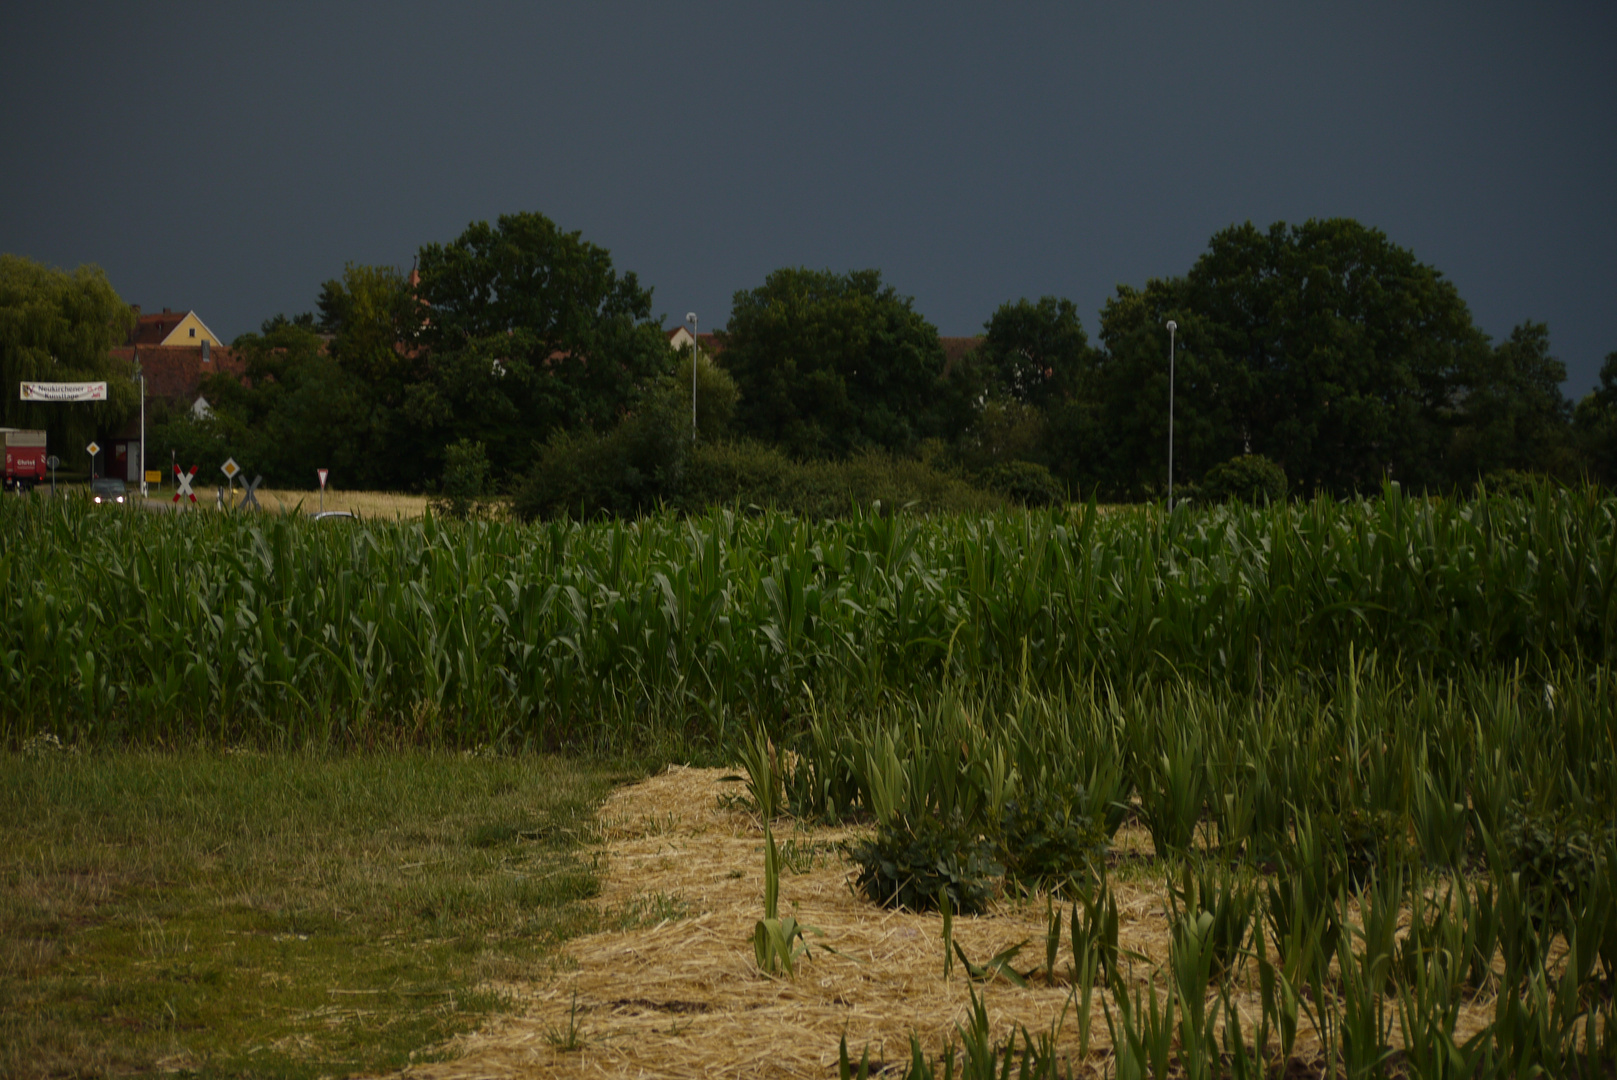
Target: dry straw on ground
<point x="683" y="998"/>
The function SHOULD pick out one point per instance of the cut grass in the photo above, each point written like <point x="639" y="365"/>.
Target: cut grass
<point x="277" y="914"/>
<point x="387" y="505"/>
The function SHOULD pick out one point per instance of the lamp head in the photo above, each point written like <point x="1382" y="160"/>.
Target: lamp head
<point x="690" y="317"/>
<point x="1172" y="326"/>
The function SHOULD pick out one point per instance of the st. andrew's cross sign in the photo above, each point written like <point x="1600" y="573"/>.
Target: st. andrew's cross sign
<point x="184" y="480"/>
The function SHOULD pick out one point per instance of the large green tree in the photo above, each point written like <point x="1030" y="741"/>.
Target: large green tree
<point x="1510" y="411"/>
<point x="371" y="315"/>
<point x="57" y="326"/>
<point x="527" y="329"/>
<point x="1037" y="352"/>
<point x="829" y="363"/>
<point x="1323" y="346"/>
<point x="297" y="410"/>
<point x="1595" y="424"/>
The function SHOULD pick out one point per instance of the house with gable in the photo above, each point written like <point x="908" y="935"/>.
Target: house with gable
<point x="175" y="351"/>
<point x="171" y="329"/>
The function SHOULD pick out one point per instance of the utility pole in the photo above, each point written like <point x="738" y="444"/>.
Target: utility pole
<point x="690" y="317"/>
<point x="141" y="375"/>
<point x="1172" y="328"/>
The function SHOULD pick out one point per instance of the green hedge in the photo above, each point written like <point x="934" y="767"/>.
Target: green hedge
<point x="631" y="471"/>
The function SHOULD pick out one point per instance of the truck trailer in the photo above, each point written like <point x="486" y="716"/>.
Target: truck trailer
<point x="25" y="458"/>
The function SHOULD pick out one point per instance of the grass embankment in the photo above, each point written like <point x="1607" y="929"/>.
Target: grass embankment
<point x="274" y="914"/>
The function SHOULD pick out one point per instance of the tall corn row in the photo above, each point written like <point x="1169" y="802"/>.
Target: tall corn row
<point x="685" y="631"/>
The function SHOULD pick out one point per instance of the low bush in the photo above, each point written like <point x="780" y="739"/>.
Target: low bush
<point x="1513" y="483"/>
<point x="1555" y="854"/>
<point x="464" y="481"/>
<point x="1046" y="840"/>
<point x="636" y="468"/>
<point x="1247" y="478"/>
<point x="910" y="862"/>
<point x="1025" y="482"/>
<point x="629" y="470"/>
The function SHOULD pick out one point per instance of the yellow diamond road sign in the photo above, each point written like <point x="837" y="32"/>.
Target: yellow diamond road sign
<point x="94" y="448"/>
<point x="230" y="468"/>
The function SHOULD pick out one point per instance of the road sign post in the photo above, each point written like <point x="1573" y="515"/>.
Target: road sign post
<point x="183" y="482"/>
<point x="230" y="469"/>
<point x="53" y="461"/>
<point x="94" y="448"/>
<point x="247" y="497"/>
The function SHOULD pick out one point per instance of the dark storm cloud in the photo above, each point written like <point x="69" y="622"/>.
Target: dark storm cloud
<point x="230" y="159"/>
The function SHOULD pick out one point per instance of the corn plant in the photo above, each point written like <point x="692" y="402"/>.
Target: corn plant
<point x="777" y="942"/>
<point x="1190" y="966"/>
<point x="1142" y="1030"/>
<point x="1229" y="904"/>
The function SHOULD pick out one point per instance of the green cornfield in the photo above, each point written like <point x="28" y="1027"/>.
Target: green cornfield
<point x="684" y="632"/>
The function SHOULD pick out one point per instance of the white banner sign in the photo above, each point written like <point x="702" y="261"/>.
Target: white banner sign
<point x="64" y="391"/>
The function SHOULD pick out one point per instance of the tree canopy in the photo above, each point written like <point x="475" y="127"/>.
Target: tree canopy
<point x="1037" y="353"/>
<point x="57" y="326"/>
<point x="1322" y="346"/>
<point x="829" y="363"/>
<point x="528" y="329"/>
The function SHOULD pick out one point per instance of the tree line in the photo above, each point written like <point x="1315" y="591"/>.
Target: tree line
<point x="516" y="348"/>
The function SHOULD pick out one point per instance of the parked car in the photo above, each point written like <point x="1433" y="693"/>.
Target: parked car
<point x="106" y="489"/>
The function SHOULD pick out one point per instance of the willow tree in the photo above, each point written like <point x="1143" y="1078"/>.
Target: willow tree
<point x="57" y="326"/>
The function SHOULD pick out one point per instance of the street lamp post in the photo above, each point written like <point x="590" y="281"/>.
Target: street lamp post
<point x="1172" y="329"/>
<point x="141" y="375"/>
<point x="690" y="317"/>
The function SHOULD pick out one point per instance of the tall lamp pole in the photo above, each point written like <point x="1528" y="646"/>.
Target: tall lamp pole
<point x="1172" y="329"/>
<point x="141" y="375"/>
<point x="690" y="317"/>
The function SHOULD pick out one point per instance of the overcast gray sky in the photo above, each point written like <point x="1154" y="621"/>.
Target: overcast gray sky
<point x="229" y="158"/>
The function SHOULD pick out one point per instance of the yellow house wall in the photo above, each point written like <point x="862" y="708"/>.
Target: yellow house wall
<point x="181" y="335"/>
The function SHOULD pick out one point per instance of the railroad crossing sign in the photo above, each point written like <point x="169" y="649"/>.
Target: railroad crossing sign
<point x="230" y="468"/>
<point x="184" y="480"/>
<point x="248" y="498"/>
<point x="94" y="448"/>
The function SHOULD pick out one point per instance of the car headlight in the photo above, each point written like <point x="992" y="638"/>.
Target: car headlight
<point x="97" y="498"/>
<point x="120" y="498"/>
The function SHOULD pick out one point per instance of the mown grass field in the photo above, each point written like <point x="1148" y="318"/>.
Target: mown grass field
<point x="296" y="915"/>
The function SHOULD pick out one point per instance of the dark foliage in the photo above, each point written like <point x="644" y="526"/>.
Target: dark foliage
<point x="909" y="863"/>
<point x="828" y="364"/>
<point x="1025" y="482"/>
<point x="1249" y="478"/>
<point x="1043" y="839"/>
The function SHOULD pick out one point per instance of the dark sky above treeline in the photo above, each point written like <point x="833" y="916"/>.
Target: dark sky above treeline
<point x="230" y="158"/>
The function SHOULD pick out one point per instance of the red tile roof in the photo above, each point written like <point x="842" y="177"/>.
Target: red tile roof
<point x="956" y="349"/>
<point x="175" y="372"/>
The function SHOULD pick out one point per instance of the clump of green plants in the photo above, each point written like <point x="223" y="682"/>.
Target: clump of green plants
<point x="1043" y="839"/>
<point x="1222" y="905"/>
<point x="909" y="863"/>
<point x="1248" y="478"/>
<point x="777" y="942"/>
<point x="1026" y="483"/>
<point x="1367" y="842"/>
<point x="1554" y="854"/>
<point x="465" y="480"/>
